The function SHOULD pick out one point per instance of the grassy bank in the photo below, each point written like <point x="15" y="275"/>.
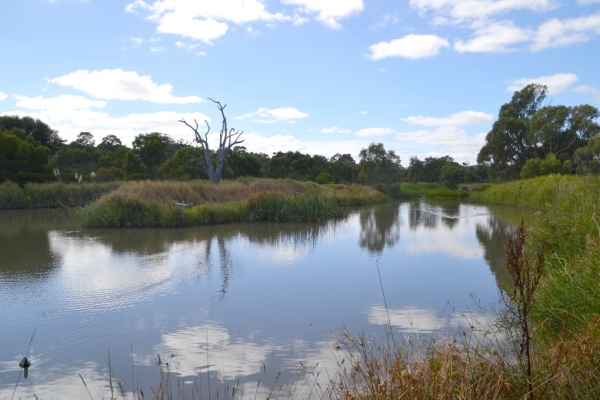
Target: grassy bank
<point x="559" y="324"/>
<point x="152" y="204"/>
<point x="429" y="190"/>
<point x="49" y="195"/>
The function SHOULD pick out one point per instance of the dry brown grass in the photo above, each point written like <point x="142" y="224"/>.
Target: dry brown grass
<point x="199" y="192"/>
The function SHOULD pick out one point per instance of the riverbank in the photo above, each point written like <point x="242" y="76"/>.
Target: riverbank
<point x="545" y="339"/>
<point x="175" y="204"/>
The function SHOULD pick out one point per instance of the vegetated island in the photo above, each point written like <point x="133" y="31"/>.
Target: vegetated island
<point x="175" y="204"/>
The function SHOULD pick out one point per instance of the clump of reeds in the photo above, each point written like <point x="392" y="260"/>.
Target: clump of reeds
<point x="538" y="192"/>
<point x="152" y="204"/>
<point x="50" y="195"/>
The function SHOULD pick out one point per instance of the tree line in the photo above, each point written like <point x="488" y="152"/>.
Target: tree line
<point x="528" y="139"/>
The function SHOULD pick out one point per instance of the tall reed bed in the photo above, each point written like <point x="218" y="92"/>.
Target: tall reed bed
<point x="48" y="195"/>
<point x="537" y="192"/>
<point x="153" y="204"/>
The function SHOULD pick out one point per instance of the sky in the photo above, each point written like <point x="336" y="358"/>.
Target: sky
<point x="423" y="77"/>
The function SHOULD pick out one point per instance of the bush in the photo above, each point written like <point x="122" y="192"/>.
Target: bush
<point x="323" y="178"/>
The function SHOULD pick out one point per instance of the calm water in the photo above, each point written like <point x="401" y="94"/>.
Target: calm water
<point x="230" y="301"/>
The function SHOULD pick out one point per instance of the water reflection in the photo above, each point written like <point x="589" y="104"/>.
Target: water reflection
<point x="379" y="227"/>
<point x="493" y="235"/>
<point x="251" y="297"/>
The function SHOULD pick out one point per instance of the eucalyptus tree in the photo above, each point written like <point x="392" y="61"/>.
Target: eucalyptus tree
<point x="227" y="139"/>
<point x="509" y="145"/>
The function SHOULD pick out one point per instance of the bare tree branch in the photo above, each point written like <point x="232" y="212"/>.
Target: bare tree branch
<point x="227" y="139"/>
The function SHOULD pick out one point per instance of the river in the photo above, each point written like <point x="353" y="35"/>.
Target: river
<point x="230" y="305"/>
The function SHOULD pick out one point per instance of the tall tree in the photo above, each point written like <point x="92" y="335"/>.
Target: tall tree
<point x="227" y="139"/>
<point x="378" y="166"/>
<point x="35" y="128"/>
<point x="509" y="145"/>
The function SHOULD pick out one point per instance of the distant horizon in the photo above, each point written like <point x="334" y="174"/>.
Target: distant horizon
<point x="425" y="78"/>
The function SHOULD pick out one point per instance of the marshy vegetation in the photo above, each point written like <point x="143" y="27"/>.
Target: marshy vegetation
<point x="155" y="204"/>
<point x="546" y="341"/>
<point x="50" y="195"/>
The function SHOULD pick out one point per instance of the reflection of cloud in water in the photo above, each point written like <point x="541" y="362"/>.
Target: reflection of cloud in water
<point x="59" y="383"/>
<point x="93" y="275"/>
<point x="417" y="320"/>
<point x="229" y="358"/>
<point x="454" y="240"/>
<point x="409" y="319"/>
<point x="281" y="255"/>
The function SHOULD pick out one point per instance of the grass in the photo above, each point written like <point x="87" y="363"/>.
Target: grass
<point x="50" y="195"/>
<point x="429" y="190"/>
<point x="152" y="204"/>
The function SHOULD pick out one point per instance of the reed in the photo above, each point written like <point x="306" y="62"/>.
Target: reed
<point x="50" y="195"/>
<point x="538" y="192"/>
<point x="152" y="204"/>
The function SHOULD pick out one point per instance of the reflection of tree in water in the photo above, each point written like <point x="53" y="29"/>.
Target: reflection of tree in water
<point x="450" y="209"/>
<point x="420" y="214"/>
<point x="379" y="227"/>
<point x="429" y="213"/>
<point x="493" y="237"/>
<point x="24" y="245"/>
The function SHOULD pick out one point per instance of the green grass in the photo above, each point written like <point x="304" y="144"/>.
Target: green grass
<point x="151" y="204"/>
<point x="429" y="190"/>
<point x="49" y="195"/>
<point x="568" y="224"/>
<point x="536" y="193"/>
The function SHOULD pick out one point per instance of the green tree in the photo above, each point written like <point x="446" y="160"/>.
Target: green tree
<point x="509" y="145"/>
<point x="35" y="128"/>
<point x="152" y="149"/>
<point x="110" y="143"/>
<point x="451" y="174"/>
<point x="378" y="166"/>
<point x="560" y="130"/>
<point x="343" y="168"/>
<point x="21" y="156"/>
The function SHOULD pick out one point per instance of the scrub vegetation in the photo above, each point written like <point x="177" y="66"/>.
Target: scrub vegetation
<point x="172" y="204"/>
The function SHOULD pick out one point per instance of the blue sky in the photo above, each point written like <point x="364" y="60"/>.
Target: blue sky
<point x="425" y="77"/>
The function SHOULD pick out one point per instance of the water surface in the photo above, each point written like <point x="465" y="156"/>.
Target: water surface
<point x="232" y="302"/>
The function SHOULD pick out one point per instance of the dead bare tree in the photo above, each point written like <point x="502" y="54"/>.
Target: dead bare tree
<point x="227" y="139"/>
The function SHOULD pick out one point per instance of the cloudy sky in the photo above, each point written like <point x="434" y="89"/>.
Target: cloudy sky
<point x="425" y="77"/>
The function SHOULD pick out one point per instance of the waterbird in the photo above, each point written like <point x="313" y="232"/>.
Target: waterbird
<point x="25" y="363"/>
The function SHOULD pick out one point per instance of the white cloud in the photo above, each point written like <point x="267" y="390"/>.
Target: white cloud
<point x="2" y="96"/>
<point x="116" y="84"/>
<point x="586" y="89"/>
<point x="363" y="112"/>
<point x="335" y="129"/>
<point x="299" y="21"/>
<point x="61" y="102"/>
<point x="201" y="53"/>
<point x="494" y="37"/>
<point x="188" y="47"/>
<point x="267" y="116"/>
<point x="464" y="10"/>
<point x="370" y="132"/>
<point x="69" y="121"/>
<point x="203" y="20"/>
<point x="410" y="46"/>
<point x="157" y="49"/>
<point x="256" y="142"/>
<point x="456" y="119"/>
<point x="556" y="32"/>
<point x="328" y="11"/>
<point x="442" y="141"/>
<point x="556" y="83"/>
